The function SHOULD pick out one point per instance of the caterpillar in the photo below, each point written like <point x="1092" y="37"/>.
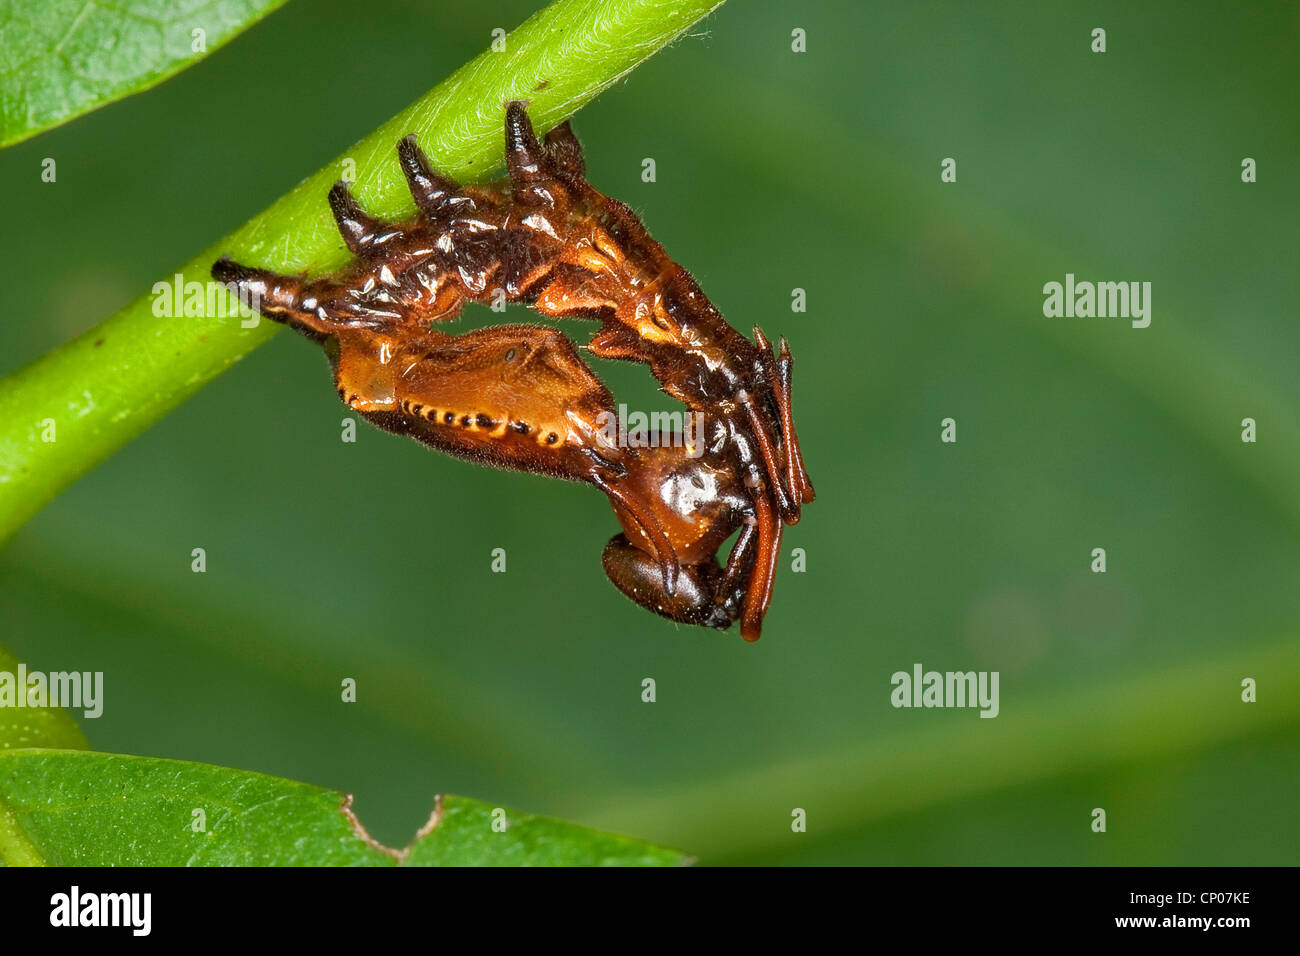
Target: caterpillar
<point x="521" y="397"/>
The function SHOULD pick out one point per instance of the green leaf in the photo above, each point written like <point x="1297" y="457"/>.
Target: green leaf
<point x="35" y="726"/>
<point x="465" y="836"/>
<point x="62" y="58"/>
<point x="29" y="727"/>
<point x="67" y="808"/>
<point x="69" y="410"/>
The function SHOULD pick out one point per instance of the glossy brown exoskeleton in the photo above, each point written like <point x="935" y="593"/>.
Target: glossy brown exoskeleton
<point x="520" y="397"/>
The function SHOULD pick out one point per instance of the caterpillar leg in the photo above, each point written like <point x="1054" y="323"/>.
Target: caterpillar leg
<point x="368" y="294"/>
<point x="434" y="195"/>
<point x="294" y="300"/>
<point x="278" y="297"/>
<point x="541" y="174"/>
<point x="527" y="163"/>
<point x="758" y="590"/>
<point x="363" y="233"/>
<point x="566" y="152"/>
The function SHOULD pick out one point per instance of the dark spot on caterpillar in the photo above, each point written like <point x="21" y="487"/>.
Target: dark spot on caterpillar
<point x="552" y="438"/>
<point x="521" y="427"/>
<point x="449" y="417"/>
<point x="484" y="421"/>
<point x="510" y="355"/>
<point x="465" y="420"/>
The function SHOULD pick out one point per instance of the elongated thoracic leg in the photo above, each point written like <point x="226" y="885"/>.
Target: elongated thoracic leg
<point x="276" y="296"/>
<point x="758" y="591"/>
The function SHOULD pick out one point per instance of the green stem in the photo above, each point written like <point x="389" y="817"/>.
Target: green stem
<point x="72" y="408"/>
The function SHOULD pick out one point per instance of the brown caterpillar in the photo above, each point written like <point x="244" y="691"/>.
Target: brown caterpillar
<point x="520" y="396"/>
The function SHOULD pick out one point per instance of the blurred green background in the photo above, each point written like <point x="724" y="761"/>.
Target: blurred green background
<point x="775" y="170"/>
